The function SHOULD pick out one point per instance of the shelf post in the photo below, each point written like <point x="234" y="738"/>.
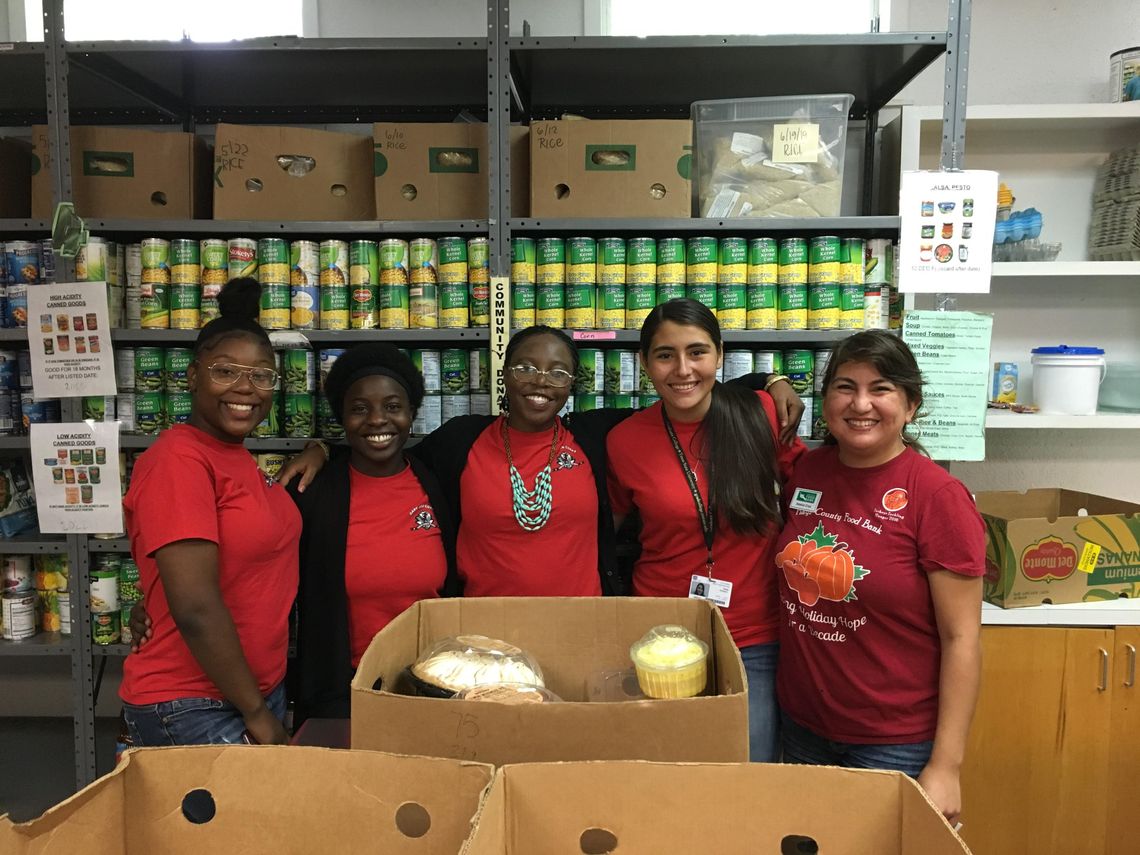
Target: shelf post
<point x="954" y="93"/>
<point x="499" y="191"/>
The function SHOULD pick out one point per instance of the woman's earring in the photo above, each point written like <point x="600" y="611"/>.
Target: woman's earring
<point x="504" y="403"/>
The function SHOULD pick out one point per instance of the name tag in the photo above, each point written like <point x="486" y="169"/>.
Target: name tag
<point x="804" y="499"/>
<point x="715" y="591"/>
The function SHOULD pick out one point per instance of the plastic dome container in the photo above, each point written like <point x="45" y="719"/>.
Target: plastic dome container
<point x="465" y="661"/>
<point x="670" y="662"/>
<point x="1066" y="380"/>
<point x="508" y="693"/>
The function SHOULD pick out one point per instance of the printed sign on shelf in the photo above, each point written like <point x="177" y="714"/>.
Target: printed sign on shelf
<point x="75" y="472"/>
<point x="69" y="339"/>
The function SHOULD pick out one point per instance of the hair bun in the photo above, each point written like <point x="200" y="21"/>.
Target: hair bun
<point x="240" y="299"/>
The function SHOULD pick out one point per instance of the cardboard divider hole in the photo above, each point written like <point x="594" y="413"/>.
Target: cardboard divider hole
<point x="597" y="841"/>
<point x="657" y="191"/>
<point x="797" y="844"/>
<point x="409" y="192"/>
<point x="198" y="806"/>
<point x="254" y="185"/>
<point x="338" y="190"/>
<point x="561" y="191"/>
<point x="158" y="198"/>
<point x="413" y="820"/>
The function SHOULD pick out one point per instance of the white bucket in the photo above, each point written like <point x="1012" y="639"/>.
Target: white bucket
<point x="1067" y="384"/>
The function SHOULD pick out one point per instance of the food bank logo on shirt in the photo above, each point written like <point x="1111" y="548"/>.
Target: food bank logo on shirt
<point x="423" y="518"/>
<point x="818" y="568"/>
<point x="893" y="503"/>
<point x="566" y="460"/>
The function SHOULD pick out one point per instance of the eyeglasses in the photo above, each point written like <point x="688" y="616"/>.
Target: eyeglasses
<point x="228" y="373"/>
<point x="556" y="377"/>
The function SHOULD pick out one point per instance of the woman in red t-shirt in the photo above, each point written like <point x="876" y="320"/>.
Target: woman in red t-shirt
<point x="703" y="467"/>
<point x="881" y="562"/>
<point x="216" y="546"/>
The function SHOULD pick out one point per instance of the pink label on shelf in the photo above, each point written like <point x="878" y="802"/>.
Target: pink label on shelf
<point x="593" y="335"/>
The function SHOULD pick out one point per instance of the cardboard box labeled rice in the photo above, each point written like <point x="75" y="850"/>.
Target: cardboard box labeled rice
<point x="739" y="809"/>
<point x="430" y="171"/>
<point x="619" y="168"/>
<point x="1059" y="546"/>
<point x="127" y="173"/>
<point x="581" y="645"/>
<point x="279" y="799"/>
<point x="272" y="173"/>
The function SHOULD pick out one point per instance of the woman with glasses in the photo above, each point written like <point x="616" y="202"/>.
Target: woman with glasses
<point x="216" y="545"/>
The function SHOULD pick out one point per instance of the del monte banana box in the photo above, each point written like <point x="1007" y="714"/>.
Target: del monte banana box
<point x="1059" y="546"/>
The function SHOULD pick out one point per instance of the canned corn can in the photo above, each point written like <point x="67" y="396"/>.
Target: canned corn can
<point x="105" y="629"/>
<point x="641" y="261"/>
<point x="304" y="279"/>
<point x="586" y="403"/>
<point x="185" y="262"/>
<point x="90" y="262"/>
<point x="823" y="260"/>
<point x="667" y="291"/>
<point x="154" y="305"/>
<point x="768" y="361"/>
<point x="479" y="275"/>
<point x="737" y="363"/>
<point x="298" y="371"/>
<point x="304" y="307"/>
<point x="671" y="261"/>
<point x="873" y="308"/>
<point x="132" y="259"/>
<point x="799" y="365"/>
<point x="215" y="273"/>
<point x="704" y="292"/>
<point x="793" y="265"/>
<point x="185" y="306"/>
<point x="334" y="263"/>
<point x="394" y="261"/>
<point x="732" y="261"/>
<point x="851" y="307"/>
<point x="611" y="264"/>
<point x="429" y="416"/>
<point x="300" y="415"/>
<point x="851" y="261"/>
<point x="149" y="412"/>
<point x="327" y="425"/>
<point x="455" y="371"/>
<point x="273" y="261"/>
<point x="550" y="308"/>
<point x="479" y="370"/>
<point x="453" y="305"/>
<point x="326" y="359"/>
<point x="242" y="257"/>
<point x="590" y="378"/>
<point x="763" y="261"/>
<point x="175" y="367"/>
<point x="148" y="372"/>
<point x="823" y="306"/>
<point x="640" y="298"/>
<point x="116" y="258"/>
<point x="524" y="266"/>
<point x="523" y="304"/>
<point x="792" y="309"/>
<point x="178" y="405"/>
<point x="393" y="300"/>
<point x="581" y="261"/>
<point x="611" y="306"/>
<point x="423" y="305"/>
<point x="270" y="426"/>
<point x="132" y="303"/>
<point x="878" y="261"/>
<point x="429" y="364"/>
<point x="581" y="308"/>
<point x="275" y="306"/>
<point x="762" y="307"/>
<point x="732" y="305"/>
<point x="423" y="261"/>
<point x="364" y="279"/>
<point x="333" y="313"/>
<point x="621" y="374"/>
<point x="551" y="268"/>
<point x="700" y="261"/>
<point x="452" y="261"/>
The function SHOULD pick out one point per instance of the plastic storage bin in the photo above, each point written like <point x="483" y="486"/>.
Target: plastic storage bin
<point x="770" y="157"/>
<point x="1066" y="379"/>
<point x="1121" y="388"/>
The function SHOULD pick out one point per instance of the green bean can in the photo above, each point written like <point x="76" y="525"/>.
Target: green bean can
<point x="823" y="259"/>
<point x="273" y="261"/>
<point x="551" y="268"/>
<point x="275" y="306"/>
<point x="581" y="261"/>
<point x="270" y="426"/>
<point x="522" y="304"/>
<point x="551" y="306"/>
<point x="590" y="378"/>
<point x="732" y="305"/>
<point x="621" y="372"/>
<point x="479" y="370"/>
<point x="452" y="261"/>
<point x="700" y="261"/>
<point x="762" y="307"/>
<point x="175" y="365"/>
<point x="327" y="425"/>
<point x="641" y="261"/>
<point x="823" y="306"/>
<point x="763" y="261"/>
<point x="671" y="261"/>
<point x="149" y="363"/>
<point x="851" y="261"/>
<point x="732" y="262"/>
<point x="793" y="266"/>
<point x="178" y="406"/>
<point x="818" y="422"/>
<point x="704" y="292"/>
<point x="429" y="364"/>
<point x="851" y="307"/>
<point x="792" y="311"/>
<point x="621" y="402"/>
<point x="298" y="371"/>
<point x="98" y="408"/>
<point x="799" y="365"/>
<point x="640" y="298"/>
<point x="611" y="306"/>
<point x="586" y="403"/>
<point x="242" y="257"/>
<point x="581" y="308"/>
<point x="455" y="372"/>
<point x="299" y="415"/>
<point x="479" y="275"/>
<point x="611" y="261"/>
<point x="148" y="412"/>
<point x="524" y="267"/>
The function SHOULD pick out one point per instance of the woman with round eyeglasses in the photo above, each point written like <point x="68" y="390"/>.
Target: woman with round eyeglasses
<point x="216" y="545"/>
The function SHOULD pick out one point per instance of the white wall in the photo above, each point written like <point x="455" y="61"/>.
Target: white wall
<point x="348" y="18"/>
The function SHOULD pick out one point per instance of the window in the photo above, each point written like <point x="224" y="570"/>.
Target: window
<point x="732" y="17"/>
<point x="200" y="20"/>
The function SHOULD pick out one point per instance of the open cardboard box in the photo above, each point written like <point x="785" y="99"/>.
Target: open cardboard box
<point x="574" y="641"/>
<point x="261" y="799"/>
<point x="430" y="170"/>
<point x="692" y="809"/>
<point x="1059" y="546"/>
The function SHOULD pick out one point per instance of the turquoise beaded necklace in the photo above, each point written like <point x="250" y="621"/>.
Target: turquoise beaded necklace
<point x="532" y="507"/>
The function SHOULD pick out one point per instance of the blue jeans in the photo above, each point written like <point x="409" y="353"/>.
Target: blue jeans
<point x="804" y="746"/>
<point x="193" y="721"/>
<point x="763" y="713"/>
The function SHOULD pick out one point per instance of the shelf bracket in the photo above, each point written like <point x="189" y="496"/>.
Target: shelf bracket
<point x="954" y="93"/>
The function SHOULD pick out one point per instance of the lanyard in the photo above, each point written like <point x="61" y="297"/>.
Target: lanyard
<point x="706" y="517"/>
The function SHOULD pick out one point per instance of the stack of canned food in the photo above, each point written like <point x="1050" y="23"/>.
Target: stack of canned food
<point x="114" y="589"/>
<point x="792" y="284"/>
<point x="22" y="263"/>
<point x="19" y="407"/>
<point x="35" y="596"/>
<point x="329" y="285"/>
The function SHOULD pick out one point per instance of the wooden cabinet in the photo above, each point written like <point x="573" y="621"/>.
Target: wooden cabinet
<point x="1053" y="755"/>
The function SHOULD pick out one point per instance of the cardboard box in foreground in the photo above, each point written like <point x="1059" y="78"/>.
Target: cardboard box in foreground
<point x="691" y="809"/>
<point x="254" y="799"/>
<point x="574" y="640"/>
<point x="1059" y="546"/>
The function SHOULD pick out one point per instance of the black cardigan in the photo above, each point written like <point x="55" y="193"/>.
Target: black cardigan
<point x="446" y="450"/>
<point x="320" y="674"/>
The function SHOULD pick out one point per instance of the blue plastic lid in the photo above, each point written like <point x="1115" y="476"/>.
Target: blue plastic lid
<point x="1065" y="350"/>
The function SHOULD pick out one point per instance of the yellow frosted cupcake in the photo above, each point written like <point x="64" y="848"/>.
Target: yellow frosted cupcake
<point x="671" y="662"/>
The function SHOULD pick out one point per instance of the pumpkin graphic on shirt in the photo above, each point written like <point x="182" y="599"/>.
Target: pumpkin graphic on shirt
<point x="818" y="567"/>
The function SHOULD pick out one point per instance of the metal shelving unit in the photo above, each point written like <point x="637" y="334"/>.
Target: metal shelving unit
<point x="869" y="226"/>
<point x="135" y="229"/>
<point x="41" y="644"/>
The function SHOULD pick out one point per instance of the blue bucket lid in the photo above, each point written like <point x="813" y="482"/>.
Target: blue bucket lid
<point x="1065" y="350"/>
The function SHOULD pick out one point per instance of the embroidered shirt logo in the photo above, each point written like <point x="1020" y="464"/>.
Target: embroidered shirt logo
<point x="424" y="521"/>
<point x="566" y="460"/>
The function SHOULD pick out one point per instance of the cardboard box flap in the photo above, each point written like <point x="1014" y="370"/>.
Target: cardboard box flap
<point x="1050" y="504"/>
<point x="693" y="808"/>
<point x="262" y="799"/>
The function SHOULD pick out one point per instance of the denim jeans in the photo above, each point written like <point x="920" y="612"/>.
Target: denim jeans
<point x="763" y="713"/>
<point x="193" y="721"/>
<point x="803" y="746"/>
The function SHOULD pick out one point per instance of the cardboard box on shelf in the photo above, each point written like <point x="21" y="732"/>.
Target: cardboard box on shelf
<point x="611" y="168"/>
<point x="732" y="808"/>
<point x="430" y="170"/>
<point x="520" y="171"/>
<point x="1059" y="546"/>
<point x="127" y="173"/>
<point x="15" y="178"/>
<point x="578" y="642"/>
<point x="274" y="173"/>
<point x="242" y="798"/>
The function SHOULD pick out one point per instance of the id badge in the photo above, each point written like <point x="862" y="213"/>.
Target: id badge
<point x="716" y="591"/>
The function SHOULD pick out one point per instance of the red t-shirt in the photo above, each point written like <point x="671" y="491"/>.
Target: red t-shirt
<point x="496" y="556"/>
<point x="644" y="473"/>
<point x="190" y="486"/>
<point x="394" y="556"/>
<point x="859" y="648"/>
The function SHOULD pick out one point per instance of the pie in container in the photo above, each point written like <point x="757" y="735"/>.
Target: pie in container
<point x="464" y="661"/>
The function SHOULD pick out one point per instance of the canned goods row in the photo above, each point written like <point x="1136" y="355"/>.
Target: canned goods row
<point x="19" y="410"/>
<point x="114" y="583"/>
<point x="27" y="262"/>
<point x="24" y="615"/>
<point x="24" y="573"/>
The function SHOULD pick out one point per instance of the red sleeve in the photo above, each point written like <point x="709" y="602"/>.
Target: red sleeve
<point x="173" y="500"/>
<point x="786" y="455"/>
<point x="621" y="497"/>
<point x="951" y="534"/>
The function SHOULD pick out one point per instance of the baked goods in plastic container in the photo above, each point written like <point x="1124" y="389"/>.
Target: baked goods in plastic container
<point x="515" y="694"/>
<point x="670" y="662"/>
<point x="465" y="661"/>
